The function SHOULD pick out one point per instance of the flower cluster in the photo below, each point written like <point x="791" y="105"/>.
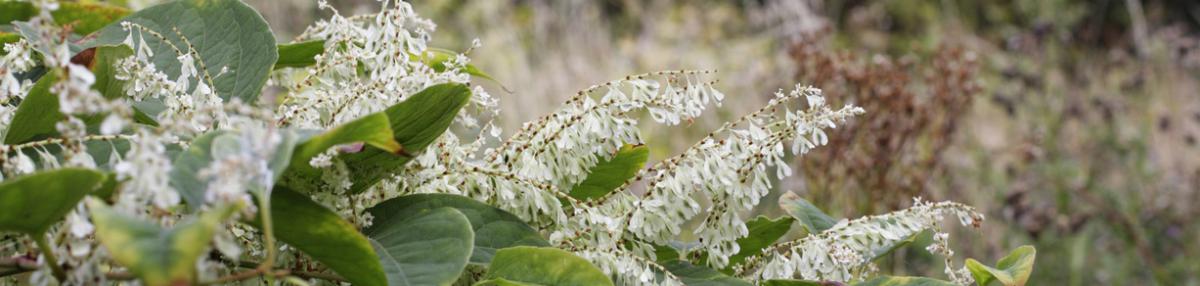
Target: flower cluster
<point x="845" y="251"/>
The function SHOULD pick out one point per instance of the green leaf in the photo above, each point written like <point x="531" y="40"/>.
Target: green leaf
<point x="37" y="115"/>
<point x="158" y="256"/>
<point x="374" y="129"/>
<point x="214" y="145"/>
<point x="84" y="18"/>
<point x="32" y="203"/>
<point x="326" y="237"/>
<point x="494" y="228"/>
<point x="187" y="165"/>
<point x="104" y="68"/>
<point x="436" y="59"/>
<point x="610" y="174"/>
<point x="415" y="124"/>
<point x="693" y="275"/>
<point x="297" y="55"/>
<point x="904" y="281"/>
<point x="762" y="233"/>
<point x="226" y="33"/>
<point x="1012" y="270"/>
<point x="542" y="266"/>
<point x="810" y="217"/>
<point x="502" y="282"/>
<point x="429" y="248"/>
<point x="793" y="282"/>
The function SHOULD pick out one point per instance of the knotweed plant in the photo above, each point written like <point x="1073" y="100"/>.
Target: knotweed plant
<point x="148" y="151"/>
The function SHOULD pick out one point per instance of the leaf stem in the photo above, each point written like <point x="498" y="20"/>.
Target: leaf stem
<point x="264" y="208"/>
<point x="48" y="252"/>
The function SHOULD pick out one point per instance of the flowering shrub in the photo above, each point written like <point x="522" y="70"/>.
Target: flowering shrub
<point x="146" y="151"/>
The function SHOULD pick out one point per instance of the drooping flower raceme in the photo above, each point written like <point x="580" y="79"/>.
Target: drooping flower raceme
<point x="844" y="252"/>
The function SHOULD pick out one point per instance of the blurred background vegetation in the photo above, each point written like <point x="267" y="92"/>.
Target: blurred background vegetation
<point x="1072" y="124"/>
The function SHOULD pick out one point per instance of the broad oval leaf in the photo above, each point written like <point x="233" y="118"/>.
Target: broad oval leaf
<point x="693" y="275"/>
<point x="494" y="228"/>
<point x="543" y="266"/>
<point x="32" y="203"/>
<point x="228" y="34"/>
<point x="37" y="115"/>
<point x="904" y="281"/>
<point x="326" y="237"/>
<point x="430" y="248"/>
<point x="810" y="217"/>
<point x="610" y="174"/>
<point x="1012" y="270"/>
<point x="157" y="256"/>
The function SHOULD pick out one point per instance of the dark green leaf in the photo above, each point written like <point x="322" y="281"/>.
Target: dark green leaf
<point x="37" y="115"/>
<point x="415" y="124"/>
<point x="793" y="282"/>
<point x="904" y="281"/>
<point x="763" y="233"/>
<point x="158" y="256"/>
<point x="324" y="236"/>
<point x="810" y="217"/>
<point x="1012" y="270"/>
<point x="32" y="203"/>
<point x="430" y="248"/>
<point x="302" y="54"/>
<point x="693" y="275"/>
<point x="543" y="266"/>
<point x="494" y="228"/>
<point x="610" y="174"/>
<point x="226" y="33"/>
<point x="374" y="129"/>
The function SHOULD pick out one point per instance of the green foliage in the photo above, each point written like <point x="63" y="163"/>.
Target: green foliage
<point x="416" y="123"/>
<point x="693" y="275"/>
<point x="429" y="248"/>
<point x="36" y="116"/>
<point x="1012" y="270"/>
<point x="374" y="130"/>
<point x="225" y="33"/>
<point x="296" y="55"/>
<point x="904" y="281"/>
<point x="810" y="217"/>
<point x="155" y="255"/>
<point x="763" y="233"/>
<point x="526" y="265"/>
<point x="218" y="144"/>
<point x="494" y="228"/>
<point x="609" y="174"/>
<point x="793" y="282"/>
<point x="324" y="236"/>
<point x="33" y="203"/>
<point x="84" y="18"/>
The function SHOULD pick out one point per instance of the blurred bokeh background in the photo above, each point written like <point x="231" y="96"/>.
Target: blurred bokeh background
<point x="1072" y="124"/>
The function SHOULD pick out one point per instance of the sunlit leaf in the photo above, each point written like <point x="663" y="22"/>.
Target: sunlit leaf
<point x="32" y="203"/>
<point x="542" y="266"/>
<point x="155" y="255"/>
